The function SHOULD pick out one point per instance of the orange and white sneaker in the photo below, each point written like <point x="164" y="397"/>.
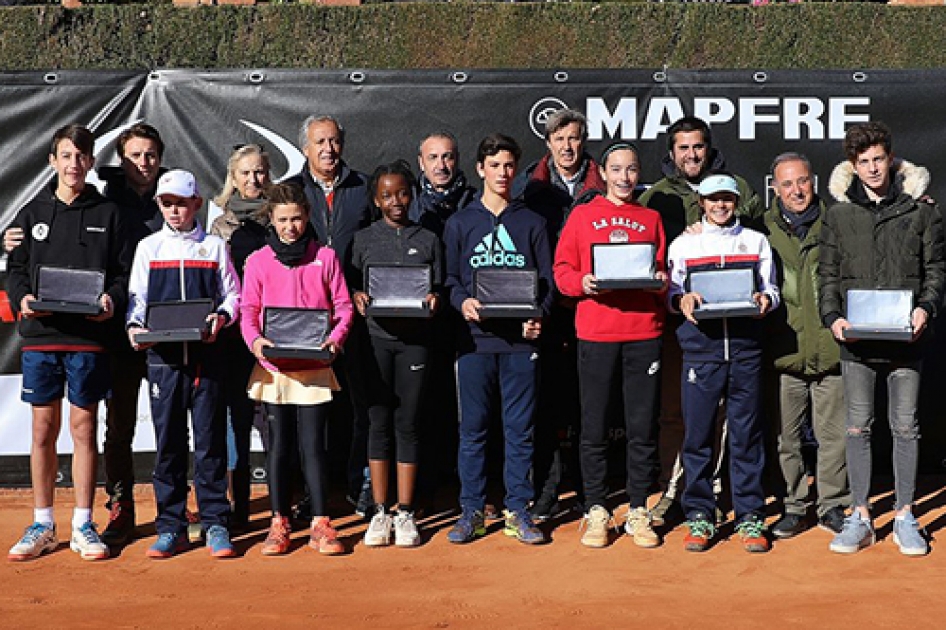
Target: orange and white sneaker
<point x="277" y="540"/>
<point x="324" y="538"/>
<point x="39" y="538"/>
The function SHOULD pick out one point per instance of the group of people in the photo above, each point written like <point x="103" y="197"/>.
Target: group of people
<point x="591" y="355"/>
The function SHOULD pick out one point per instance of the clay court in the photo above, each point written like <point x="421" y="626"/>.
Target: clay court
<point x="494" y="582"/>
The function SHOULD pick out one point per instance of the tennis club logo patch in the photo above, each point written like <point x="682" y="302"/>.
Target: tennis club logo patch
<point x="40" y="232"/>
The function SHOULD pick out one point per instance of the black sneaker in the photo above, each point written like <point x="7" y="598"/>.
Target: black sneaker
<point x="543" y="509"/>
<point x="789" y="525"/>
<point x="832" y="520"/>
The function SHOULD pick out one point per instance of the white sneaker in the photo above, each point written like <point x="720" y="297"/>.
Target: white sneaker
<point x="596" y="524"/>
<point x="86" y="542"/>
<point x="405" y="530"/>
<point x="379" y="530"/>
<point x="38" y="539"/>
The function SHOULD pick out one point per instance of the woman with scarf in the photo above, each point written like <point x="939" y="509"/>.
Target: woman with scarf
<point x="294" y="270"/>
<point x="242" y="225"/>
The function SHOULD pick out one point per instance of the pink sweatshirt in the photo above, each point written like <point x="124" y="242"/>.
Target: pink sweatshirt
<point x="317" y="282"/>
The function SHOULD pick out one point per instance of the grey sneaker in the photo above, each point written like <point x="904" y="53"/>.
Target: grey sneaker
<point x="405" y="530"/>
<point x="378" y="533"/>
<point x="906" y="533"/>
<point x="856" y="534"/>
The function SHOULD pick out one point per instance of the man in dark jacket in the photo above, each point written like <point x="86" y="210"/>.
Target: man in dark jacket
<point x="131" y="186"/>
<point x="69" y="224"/>
<point x="340" y="204"/>
<point x="551" y="187"/>
<point x="804" y="352"/>
<point x="442" y="188"/>
<point x="880" y="236"/>
<point x="690" y="157"/>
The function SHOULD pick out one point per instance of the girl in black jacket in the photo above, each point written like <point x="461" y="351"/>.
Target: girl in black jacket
<point x="395" y="373"/>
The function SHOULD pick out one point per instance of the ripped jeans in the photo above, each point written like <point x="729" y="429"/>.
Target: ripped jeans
<point x="903" y="386"/>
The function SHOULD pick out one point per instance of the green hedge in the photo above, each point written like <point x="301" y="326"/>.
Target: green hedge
<point x="473" y="35"/>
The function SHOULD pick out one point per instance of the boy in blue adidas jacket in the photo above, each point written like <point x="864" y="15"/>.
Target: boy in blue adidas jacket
<point x="499" y="354"/>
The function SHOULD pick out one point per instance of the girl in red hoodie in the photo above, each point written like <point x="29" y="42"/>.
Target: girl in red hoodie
<point x="619" y="335"/>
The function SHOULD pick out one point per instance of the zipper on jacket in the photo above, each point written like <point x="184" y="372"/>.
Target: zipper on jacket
<point x="726" y="339"/>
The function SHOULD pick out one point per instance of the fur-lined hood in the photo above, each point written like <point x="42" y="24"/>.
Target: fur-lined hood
<point x="913" y="179"/>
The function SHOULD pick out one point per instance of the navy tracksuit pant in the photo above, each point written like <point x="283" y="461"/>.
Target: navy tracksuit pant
<point x="173" y="391"/>
<point x="480" y="376"/>
<point x="704" y="384"/>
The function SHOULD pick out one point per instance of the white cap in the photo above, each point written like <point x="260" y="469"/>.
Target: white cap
<point x="179" y="183"/>
<point x="713" y="184"/>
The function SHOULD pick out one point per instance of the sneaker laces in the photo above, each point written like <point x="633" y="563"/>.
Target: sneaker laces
<point x="278" y="532"/>
<point x="596" y="517"/>
<point x="33" y="533"/>
<point x="89" y="533"/>
<point x="751" y="528"/>
<point x="702" y="528"/>
<point x="321" y="528"/>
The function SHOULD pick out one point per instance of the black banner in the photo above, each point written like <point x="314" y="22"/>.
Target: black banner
<point x="203" y="114"/>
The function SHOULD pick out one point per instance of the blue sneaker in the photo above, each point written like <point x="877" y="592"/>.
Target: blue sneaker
<point x="167" y="545"/>
<point x="856" y="534"/>
<point x="519" y="525"/>
<point x="218" y="542"/>
<point x="468" y="528"/>
<point x="906" y="533"/>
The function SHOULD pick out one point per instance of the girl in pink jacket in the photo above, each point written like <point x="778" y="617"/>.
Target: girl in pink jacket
<point x="294" y="270"/>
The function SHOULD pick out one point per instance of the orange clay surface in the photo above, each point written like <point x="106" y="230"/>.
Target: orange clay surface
<point x="494" y="582"/>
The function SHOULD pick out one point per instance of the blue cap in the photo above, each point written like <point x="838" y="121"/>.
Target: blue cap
<point x="713" y="184"/>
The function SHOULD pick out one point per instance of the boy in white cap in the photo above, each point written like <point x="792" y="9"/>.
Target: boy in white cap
<point x="722" y="358"/>
<point x="182" y="262"/>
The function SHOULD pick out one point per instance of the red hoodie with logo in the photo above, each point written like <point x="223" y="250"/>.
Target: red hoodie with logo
<point x="619" y="315"/>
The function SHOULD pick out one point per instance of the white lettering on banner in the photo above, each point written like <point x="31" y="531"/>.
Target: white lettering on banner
<point x="800" y="117"/>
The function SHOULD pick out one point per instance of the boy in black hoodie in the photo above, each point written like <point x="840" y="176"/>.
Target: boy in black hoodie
<point x="68" y="224"/>
<point x="496" y="354"/>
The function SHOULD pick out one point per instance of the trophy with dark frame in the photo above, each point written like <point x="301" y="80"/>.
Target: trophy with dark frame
<point x="398" y="290"/>
<point x="69" y="291"/>
<point x="298" y="333"/>
<point x="507" y="293"/>
<point x="880" y="314"/>
<point x="176" y="321"/>
<point x="624" y="266"/>
<point x="726" y="292"/>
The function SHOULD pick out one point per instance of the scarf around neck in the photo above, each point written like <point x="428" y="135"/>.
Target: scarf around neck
<point x="447" y="199"/>
<point x="801" y="223"/>
<point x="290" y="254"/>
<point x="245" y="209"/>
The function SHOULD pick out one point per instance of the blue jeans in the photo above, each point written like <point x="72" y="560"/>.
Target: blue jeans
<point x="903" y="388"/>
<point x="479" y="376"/>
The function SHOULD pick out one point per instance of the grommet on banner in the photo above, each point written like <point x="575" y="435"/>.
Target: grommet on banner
<point x="561" y="76"/>
<point x="459" y="77"/>
<point x="258" y="473"/>
<point x="760" y="77"/>
<point x="660" y="77"/>
<point x="154" y="76"/>
<point x="356" y="77"/>
<point x="256" y="77"/>
<point x="51" y="77"/>
<point x="859" y="77"/>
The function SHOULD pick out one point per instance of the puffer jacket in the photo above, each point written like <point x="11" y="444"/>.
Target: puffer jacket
<point x="796" y="340"/>
<point x="896" y="243"/>
<point x="677" y="203"/>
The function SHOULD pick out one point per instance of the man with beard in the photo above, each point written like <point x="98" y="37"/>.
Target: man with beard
<point x="690" y="157"/>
